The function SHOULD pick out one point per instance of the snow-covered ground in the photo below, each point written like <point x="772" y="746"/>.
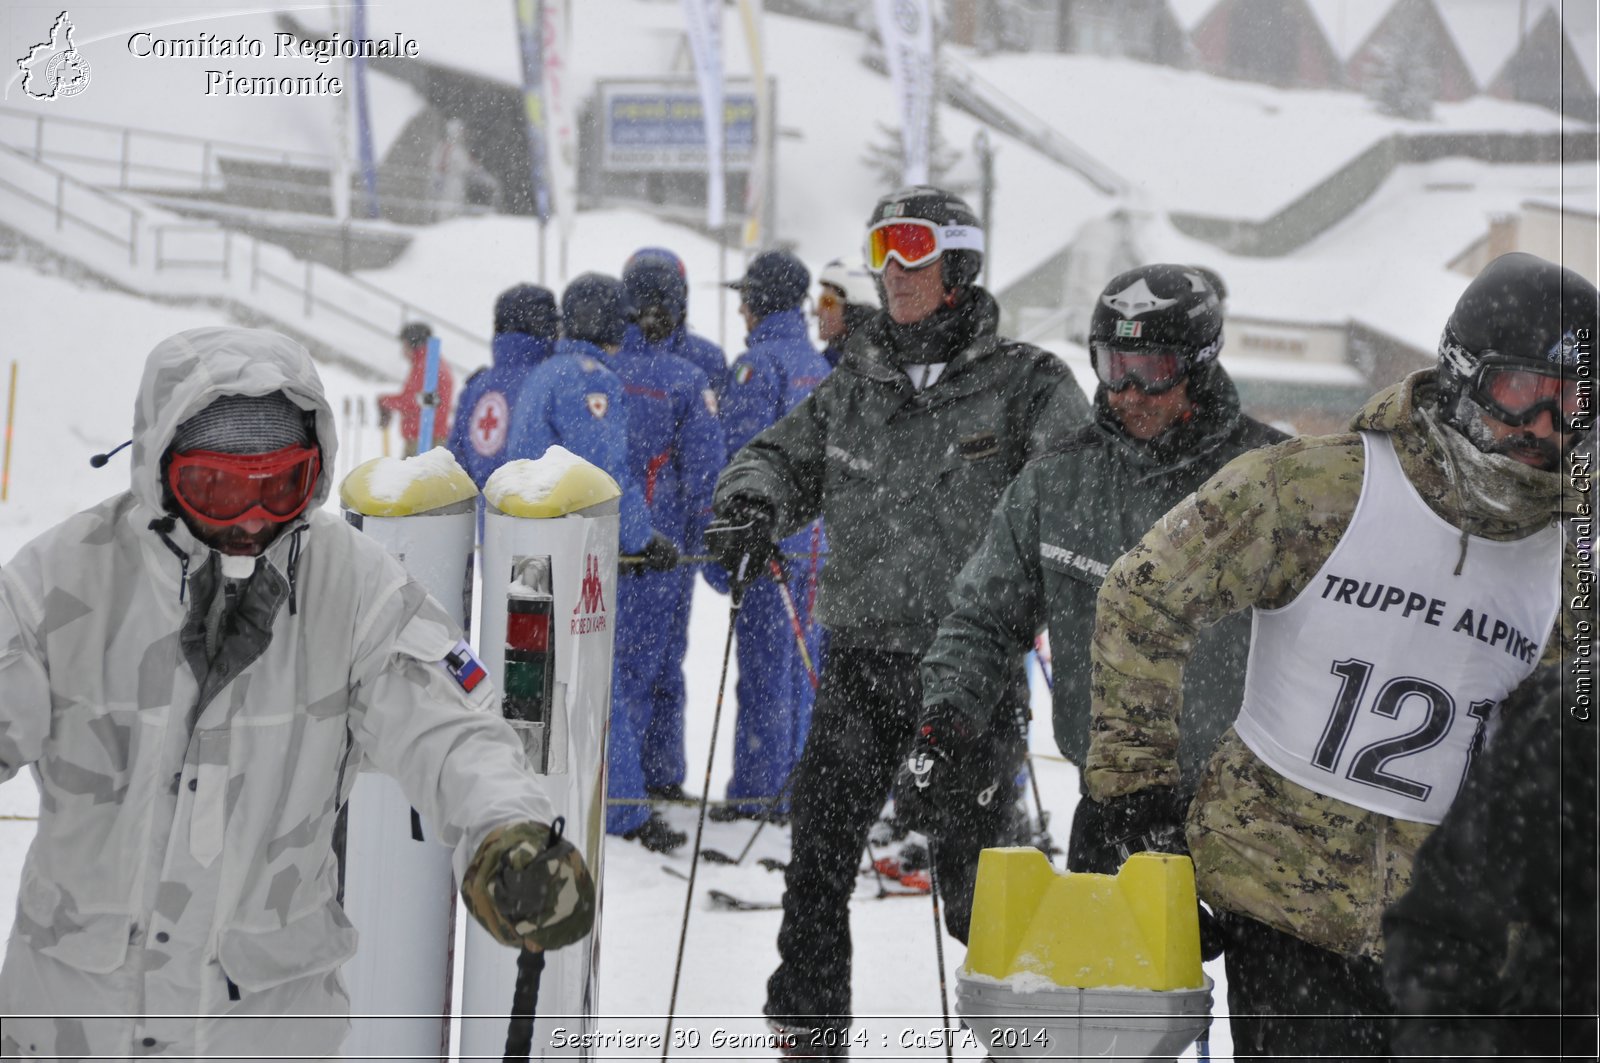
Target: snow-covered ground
<point x="62" y="335"/>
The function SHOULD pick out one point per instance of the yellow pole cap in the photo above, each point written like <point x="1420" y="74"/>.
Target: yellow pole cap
<point x="1139" y="928"/>
<point x="406" y="487"/>
<point x="554" y="485"/>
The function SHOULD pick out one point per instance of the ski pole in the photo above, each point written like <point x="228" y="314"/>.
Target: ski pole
<point x="766" y="815"/>
<point x="530" y="972"/>
<point x="524" y="1006"/>
<point x="700" y="826"/>
<point x="938" y="945"/>
<point x="11" y="411"/>
<point x="794" y="618"/>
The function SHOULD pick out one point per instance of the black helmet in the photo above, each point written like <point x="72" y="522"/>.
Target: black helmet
<point x="1521" y="313"/>
<point x="961" y="258"/>
<point x="1156" y="309"/>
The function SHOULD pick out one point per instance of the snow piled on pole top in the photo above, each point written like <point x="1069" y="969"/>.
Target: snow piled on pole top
<point x="557" y="483"/>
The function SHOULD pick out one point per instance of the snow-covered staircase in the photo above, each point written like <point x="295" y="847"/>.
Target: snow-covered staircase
<point x="123" y="240"/>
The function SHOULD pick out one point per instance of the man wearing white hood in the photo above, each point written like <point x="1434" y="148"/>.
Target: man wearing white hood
<point x="194" y="669"/>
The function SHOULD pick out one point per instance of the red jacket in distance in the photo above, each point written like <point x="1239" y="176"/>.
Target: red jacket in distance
<point x="408" y="402"/>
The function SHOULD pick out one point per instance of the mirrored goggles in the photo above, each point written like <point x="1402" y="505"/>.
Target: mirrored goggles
<point x="1517" y="393"/>
<point x="915" y="243"/>
<point x="229" y="489"/>
<point x="1152" y="372"/>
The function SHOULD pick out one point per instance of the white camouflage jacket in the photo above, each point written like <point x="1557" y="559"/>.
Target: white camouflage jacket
<point x="182" y="881"/>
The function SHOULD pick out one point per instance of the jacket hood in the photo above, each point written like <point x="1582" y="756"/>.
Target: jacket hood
<point x="519" y="350"/>
<point x="1496" y="498"/>
<point x="780" y="324"/>
<point x="186" y="372"/>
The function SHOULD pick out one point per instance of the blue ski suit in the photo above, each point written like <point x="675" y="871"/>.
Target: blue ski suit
<point x="573" y="400"/>
<point x="675" y="451"/>
<point x="488" y="403"/>
<point x="780" y="368"/>
<point x="698" y="352"/>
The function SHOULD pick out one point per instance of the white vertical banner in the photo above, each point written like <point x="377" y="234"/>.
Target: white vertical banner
<point x="704" y="23"/>
<point x="561" y="134"/>
<point x="907" y="30"/>
<point x="751" y="13"/>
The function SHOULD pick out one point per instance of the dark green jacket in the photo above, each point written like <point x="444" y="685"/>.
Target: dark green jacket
<point x="1053" y="537"/>
<point x="906" y="480"/>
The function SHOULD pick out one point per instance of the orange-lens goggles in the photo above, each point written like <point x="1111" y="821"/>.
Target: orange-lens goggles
<point x="229" y="489"/>
<point x="915" y="243"/>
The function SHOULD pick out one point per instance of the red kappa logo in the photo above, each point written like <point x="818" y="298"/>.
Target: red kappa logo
<point x="589" y="614"/>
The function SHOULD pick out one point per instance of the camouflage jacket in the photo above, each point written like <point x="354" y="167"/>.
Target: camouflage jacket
<point x="1253" y="536"/>
<point x="1050" y="543"/>
<point x="182" y="882"/>
<point x="906" y="479"/>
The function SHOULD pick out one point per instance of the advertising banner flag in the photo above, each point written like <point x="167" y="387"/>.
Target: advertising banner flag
<point x="703" y="19"/>
<point x="756" y="185"/>
<point x="561" y="134"/>
<point x="529" y="27"/>
<point x="907" y="30"/>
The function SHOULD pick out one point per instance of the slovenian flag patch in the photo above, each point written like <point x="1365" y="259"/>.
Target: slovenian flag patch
<point x="464" y="667"/>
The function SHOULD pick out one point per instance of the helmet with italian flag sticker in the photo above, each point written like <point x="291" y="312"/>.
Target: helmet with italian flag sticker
<point x="1153" y="325"/>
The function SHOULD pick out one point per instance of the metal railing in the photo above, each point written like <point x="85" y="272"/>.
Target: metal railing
<point x="125" y="157"/>
<point x="182" y="246"/>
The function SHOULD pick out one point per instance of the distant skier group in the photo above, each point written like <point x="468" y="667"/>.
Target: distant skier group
<point x="909" y="508"/>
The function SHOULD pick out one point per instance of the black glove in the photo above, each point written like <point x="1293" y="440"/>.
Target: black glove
<point x="740" y="540"/>
<point x="1106" y="833"/>
<point x="947" y="777"/>
<point x="660" y="554"/>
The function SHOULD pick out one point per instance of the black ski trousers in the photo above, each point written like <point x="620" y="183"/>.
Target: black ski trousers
<point x="868" y="703"/>
<point x="1290" y="1000"/>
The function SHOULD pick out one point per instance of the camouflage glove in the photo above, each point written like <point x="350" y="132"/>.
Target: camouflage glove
<point x="529" y="887"/>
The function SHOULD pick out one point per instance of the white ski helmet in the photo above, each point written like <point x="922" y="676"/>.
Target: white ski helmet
<point x="851" y="277"/>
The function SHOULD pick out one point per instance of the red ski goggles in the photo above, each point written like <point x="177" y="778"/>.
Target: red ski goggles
<point x="1517" y="393"/>
<point x="915" y="243"/>
<point x="229" y="489"/>
<point x="1152" y="372"/>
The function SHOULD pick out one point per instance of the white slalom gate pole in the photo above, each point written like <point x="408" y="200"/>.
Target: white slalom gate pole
<point x="548" y="613"/>
<point x="399" y="890"/>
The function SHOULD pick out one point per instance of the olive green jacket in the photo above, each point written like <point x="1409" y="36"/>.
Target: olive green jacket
<point x="1050" y="542"/>
<point x="1254" y="535"/>
<point x="905" y="479"/>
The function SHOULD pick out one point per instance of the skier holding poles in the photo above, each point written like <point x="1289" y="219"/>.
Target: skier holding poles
<point x="195" y="668"/>
<point x="903" y="450"/>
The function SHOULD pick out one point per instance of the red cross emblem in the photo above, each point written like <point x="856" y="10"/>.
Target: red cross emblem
<point x="491" y="418"/>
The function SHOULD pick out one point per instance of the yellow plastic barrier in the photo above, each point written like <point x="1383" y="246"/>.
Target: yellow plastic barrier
<point x="1138" y="928"/>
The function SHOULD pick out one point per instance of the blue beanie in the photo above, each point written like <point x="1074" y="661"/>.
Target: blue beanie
<point x="595" y="309"/>
<point x="655" y="276"/>
<point x="529" y="309"/>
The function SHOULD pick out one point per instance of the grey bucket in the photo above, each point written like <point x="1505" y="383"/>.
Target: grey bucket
<point x="1080" y="1023"/>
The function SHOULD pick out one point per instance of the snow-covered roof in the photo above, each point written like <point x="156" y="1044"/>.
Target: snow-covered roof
<point x="1487" y="32"/>
<point x="1348" y="23"/>
<point x="1189" y="13"/>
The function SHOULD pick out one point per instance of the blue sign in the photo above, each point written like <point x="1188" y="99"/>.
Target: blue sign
<point x="657" y="126"/>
